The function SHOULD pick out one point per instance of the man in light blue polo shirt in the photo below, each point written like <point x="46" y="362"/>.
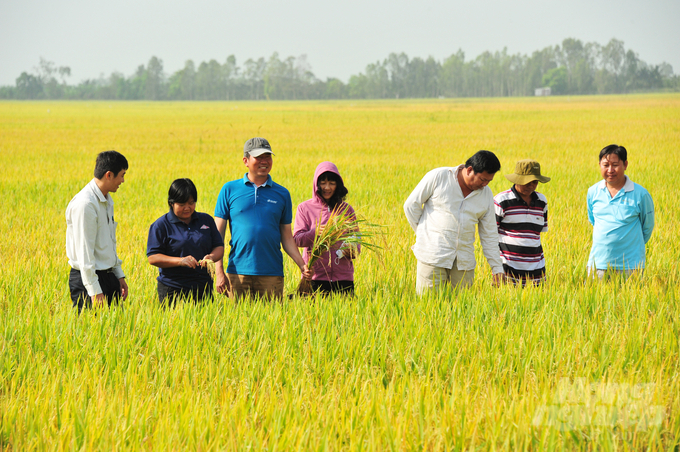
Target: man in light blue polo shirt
<point x="622" y="215"/>
<point x="259" y="213"/>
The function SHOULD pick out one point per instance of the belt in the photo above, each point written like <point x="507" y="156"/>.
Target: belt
<point x="106" y="270"/>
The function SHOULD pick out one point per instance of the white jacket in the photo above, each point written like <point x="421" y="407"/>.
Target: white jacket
<point x="444" y="222"/>
<point x="91" y="236"/>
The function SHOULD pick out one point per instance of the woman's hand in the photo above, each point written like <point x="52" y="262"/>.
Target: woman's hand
<point x="188" y="261"/>
<point x="207" y="258"/>
<point x="350" y="253"/>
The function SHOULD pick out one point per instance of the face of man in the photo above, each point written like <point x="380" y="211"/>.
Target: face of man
<point x="613" y="170"/>
<point x="113" y="182"/>
<point x="475" y="181"/>
<point x="526" y="189"/>
<point x="259" y="167"/>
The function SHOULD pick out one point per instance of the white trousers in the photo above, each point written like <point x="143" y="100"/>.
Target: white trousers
<point x="429" y="277"/>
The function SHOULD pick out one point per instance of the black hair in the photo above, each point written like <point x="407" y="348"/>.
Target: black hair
<point x="109" y="161"/>
<point x="340" y="189"/>
<point x="615" y="149"/>
<point x="181" y="191"/>
<point x="484" y="161"/>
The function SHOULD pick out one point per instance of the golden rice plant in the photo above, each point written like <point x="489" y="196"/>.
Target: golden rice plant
<point x="209" y="265"/>
<point x="342" y="225"/>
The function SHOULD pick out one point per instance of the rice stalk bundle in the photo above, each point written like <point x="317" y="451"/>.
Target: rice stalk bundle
<point x="208" y="265"/>
<point x="342" y="225"/>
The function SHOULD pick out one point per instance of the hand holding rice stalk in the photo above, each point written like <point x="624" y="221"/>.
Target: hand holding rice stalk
<point x="209" y="265"/>
<point x="343" y="226"/>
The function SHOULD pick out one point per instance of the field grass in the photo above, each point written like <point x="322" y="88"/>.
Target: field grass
<point x="570" y="365"/>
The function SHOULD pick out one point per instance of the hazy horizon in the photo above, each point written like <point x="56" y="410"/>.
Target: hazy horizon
<point x="339" y="40"/>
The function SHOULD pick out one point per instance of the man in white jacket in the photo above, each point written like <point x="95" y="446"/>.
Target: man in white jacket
<point x="96" y="276"/>
<point x="443" y="210"/>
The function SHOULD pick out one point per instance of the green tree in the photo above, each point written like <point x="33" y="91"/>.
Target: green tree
<point x="29" y="86"/>
<point x="153" y="89"/>
<point x="557" y="80"/>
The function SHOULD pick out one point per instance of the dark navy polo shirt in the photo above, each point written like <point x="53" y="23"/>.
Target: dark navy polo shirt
<point x="255" y="215"/>
<point x="171" y="236"/>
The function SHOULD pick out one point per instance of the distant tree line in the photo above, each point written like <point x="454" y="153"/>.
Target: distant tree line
<point x="572" y="68"/>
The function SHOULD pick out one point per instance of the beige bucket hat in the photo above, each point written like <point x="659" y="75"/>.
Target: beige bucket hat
<point x="526" y="171"/>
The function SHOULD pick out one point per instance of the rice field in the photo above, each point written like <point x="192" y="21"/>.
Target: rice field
<point x="569" y="365"/>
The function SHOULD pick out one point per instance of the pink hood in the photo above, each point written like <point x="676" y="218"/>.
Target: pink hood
<point x="326" y="268"/>
<point x="320" y="169"/>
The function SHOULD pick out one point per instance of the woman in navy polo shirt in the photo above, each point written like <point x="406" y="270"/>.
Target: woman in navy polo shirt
<point x="178" y="241"/>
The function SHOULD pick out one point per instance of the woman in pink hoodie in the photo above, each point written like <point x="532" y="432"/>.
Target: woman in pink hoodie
<point x="334" y="270"/>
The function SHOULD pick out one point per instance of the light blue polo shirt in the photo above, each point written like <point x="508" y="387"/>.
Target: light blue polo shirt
<point x="255" y="215"/>
<point x="622" y="225"/>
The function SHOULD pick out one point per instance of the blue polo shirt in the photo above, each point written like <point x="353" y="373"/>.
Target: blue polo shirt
<point x="171" y="236"/>
<point x="255" y="215"/>
<point x="622" y="225"/>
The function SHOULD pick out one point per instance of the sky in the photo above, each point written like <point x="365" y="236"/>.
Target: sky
<point x="96" y="38"/>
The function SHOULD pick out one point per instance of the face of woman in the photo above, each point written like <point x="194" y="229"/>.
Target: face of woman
<point x="327" y="188"/>
<point x="184" y="210"/>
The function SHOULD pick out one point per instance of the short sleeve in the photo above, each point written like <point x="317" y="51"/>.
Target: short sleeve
<point x="155" y="244"/>
<point x="498" y="210"/>
<point x="222" y="205"/>
<point x="287" y="214"/>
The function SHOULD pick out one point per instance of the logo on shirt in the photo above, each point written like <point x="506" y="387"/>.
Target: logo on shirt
<point x="205" y="227"/>
<point x="271" y="200"/>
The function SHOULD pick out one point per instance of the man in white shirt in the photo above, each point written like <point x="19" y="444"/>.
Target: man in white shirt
<point x="443" y="210"/>
<point x="96" y="275"/>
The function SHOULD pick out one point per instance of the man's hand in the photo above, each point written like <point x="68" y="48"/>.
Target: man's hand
<point x="498" y="279"/>
<point x="99" y="300"/>
<point x="306" y="272"/>
<point x="221" y="282"/>
<point x="123" y="288"/>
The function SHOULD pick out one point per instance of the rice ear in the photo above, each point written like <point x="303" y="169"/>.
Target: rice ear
<point x="342" y="226"/>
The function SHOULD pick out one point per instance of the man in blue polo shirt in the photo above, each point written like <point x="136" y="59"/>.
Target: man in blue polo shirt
<point x="622" y="215"/>
<point x="259" y="212"/>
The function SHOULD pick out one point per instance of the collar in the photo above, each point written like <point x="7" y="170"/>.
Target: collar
<point x="455" y="170"/>
<point x="97" y="191"/>
<point x="267" y="183"/>
<point x="534" y="195"/>
<point x="173" y="218"/>
<point x="628" y="186"/>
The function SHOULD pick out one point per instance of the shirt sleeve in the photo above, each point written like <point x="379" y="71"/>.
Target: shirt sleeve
<point x="500" y="213"/>
<point x="589" y="204"/>
<point x="287" y="214"/>
<point x="413" y="207"/>
<point x="222" y="204"/>
<point x="647" y="216"/>
<point x="545" y="218"/>
<point x="155" y="243"/>
<point x="488" y="236"/>
<point x="84" y="221"/>
<point x="304" y="229"/>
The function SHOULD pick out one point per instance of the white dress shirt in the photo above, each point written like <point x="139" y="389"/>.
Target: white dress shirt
<point x="444" y="222"/>
<point x="91" y="236"/>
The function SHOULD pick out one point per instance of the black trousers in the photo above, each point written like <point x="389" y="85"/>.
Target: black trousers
<point x="168" y="296"/>
<point x="107" y="280"/>
<point x="328" y="287"/>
